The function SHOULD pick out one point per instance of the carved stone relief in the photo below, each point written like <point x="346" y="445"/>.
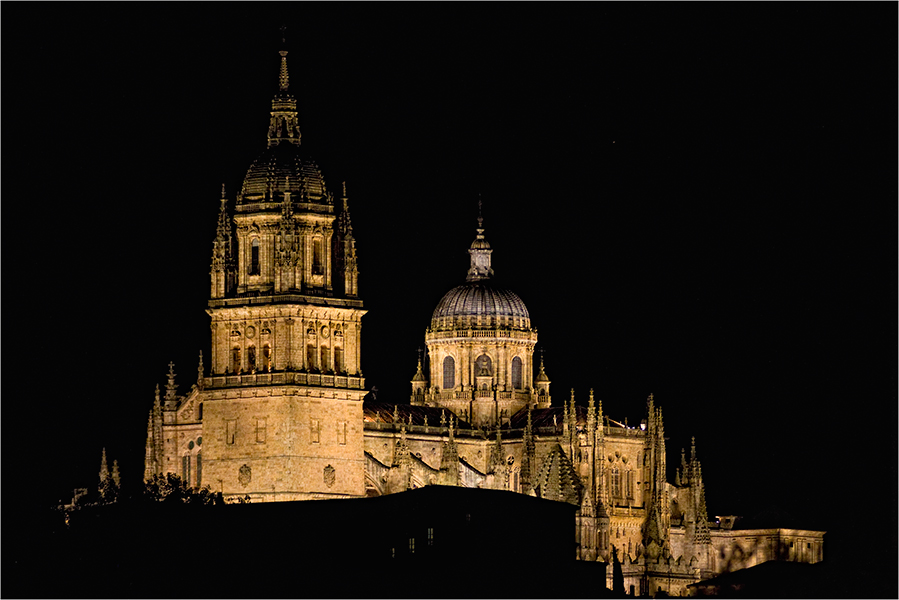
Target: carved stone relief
<point x="245" y="475"/>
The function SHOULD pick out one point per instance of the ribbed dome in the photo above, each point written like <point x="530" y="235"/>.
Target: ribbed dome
<point x="480" y="305"/>
<point x="279" y="168"/>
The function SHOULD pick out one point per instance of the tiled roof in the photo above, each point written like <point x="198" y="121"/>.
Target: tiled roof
<point x="480" y="304"/>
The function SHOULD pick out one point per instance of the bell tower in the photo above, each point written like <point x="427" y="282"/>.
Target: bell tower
<point x="282" y="400"/>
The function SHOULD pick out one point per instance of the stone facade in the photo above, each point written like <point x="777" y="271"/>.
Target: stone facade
<point x="279" y="413"/>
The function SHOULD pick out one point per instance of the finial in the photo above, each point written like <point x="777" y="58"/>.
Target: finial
<point x="480" y="252"/>
<point x="170" y="387"/>
<point x="344" y="188"/>
<point x="693" y="448"/>
<point x="443" y="417"/>
<point x="104" y="470"/>
<point x="283" y="79"/>
<point x="480" y="215"/>
<point x="224" y="197"/>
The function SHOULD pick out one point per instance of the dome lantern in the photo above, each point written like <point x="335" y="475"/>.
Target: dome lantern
<point x="480" y="253"/>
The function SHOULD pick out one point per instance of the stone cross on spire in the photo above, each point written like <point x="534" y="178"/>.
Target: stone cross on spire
<point x="170" y="387"/>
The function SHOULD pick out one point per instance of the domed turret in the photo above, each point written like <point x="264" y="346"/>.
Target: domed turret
<point x="480" y="303"/>
<point x="481" y="347"/>
<point x="284" y="166"/>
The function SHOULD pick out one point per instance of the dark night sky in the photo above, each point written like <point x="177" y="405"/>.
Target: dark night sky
<point x="695" y="201"/>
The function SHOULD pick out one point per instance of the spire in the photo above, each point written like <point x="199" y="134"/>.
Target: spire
<point x="541" y="374"/>
<point x="346" y="265"/>
<point x="498" y="462"/>
<point x="283" y="77"/>
<point x="591" y="415"/>
<point x="222" y="270"/>
<point x="420" y="375"/>
<point x="528" y="456"/>
<point x="115" y="473"/>
<point x="284" y="125"/>
<point x="344" y="224"/>
<point x="480" y="253"/>
<point x="104" y="469"/>
<point x="703" y="536"/>
<point x="170" y="388"/>
<point x="449" y="460"/>
<point x="200" y="372"/>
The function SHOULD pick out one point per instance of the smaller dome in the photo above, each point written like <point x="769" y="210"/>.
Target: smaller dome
<point x="480" y="304"/>
<point x="480" y="244"/>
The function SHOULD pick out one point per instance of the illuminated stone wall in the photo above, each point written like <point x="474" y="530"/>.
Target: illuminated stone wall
<point x="282" y="443"/>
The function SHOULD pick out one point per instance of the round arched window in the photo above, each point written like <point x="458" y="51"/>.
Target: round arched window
<point x="516" y="373"/>
<point x="449" y="373"/>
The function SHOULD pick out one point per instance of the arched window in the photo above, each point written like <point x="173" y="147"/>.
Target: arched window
<point x="449" y="373"/>
<point x="267" y="357"/>
<point x="235" y="360"/>
<point x="251" y="358"/>
<point x="516" y="373"/>
<point x="185" y="468"/>
<point x="615" y="483"/>
<point x="199" y="469"/>
<point x="326" y="358"/>
<point x="310" y="356"/>
<point x="629" y="484"/>
<point x="254" y="257"/>
<point x="338" y="359"/>
<point x="317" y="256"/>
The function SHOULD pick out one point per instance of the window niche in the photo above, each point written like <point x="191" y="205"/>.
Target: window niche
<point x="317" y="268"/>
<point x="266" y="357"/>
<point x="516" y="373"/>
<point x="235" y="360"/>
<point x="254" y="257"/>
<point x="449" y="373"/>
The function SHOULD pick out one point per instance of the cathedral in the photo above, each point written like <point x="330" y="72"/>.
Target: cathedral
<point x="279" y="410"/>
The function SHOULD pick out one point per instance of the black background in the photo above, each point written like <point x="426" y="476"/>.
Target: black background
<point x="694" y="201"/>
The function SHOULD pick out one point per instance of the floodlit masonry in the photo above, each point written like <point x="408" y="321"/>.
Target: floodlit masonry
<point x="280" y="412"/>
